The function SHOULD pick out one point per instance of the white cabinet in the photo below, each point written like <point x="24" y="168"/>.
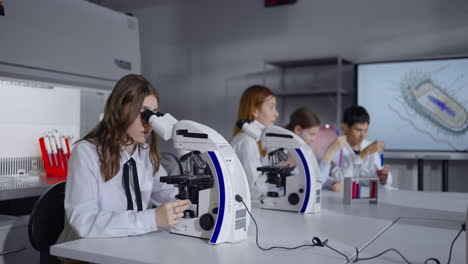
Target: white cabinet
<point x="68" y="42"/>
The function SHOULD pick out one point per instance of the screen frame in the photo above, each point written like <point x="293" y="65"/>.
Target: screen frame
<point x="416" y="153"/>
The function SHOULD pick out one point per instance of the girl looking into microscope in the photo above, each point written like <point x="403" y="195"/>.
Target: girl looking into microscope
<point x="256" y="103"/>
<point x="114" y="174"/>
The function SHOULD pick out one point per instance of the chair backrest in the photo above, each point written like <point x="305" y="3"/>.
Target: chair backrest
<point x="47" y="220"/>
<point x="171" y="163"/>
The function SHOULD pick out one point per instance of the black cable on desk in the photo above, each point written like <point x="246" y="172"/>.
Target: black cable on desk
<point x="463" y="227"/>
<point x="380" y="254"/>
<point x="453" y="242"/>
<point x="316" y="242"/>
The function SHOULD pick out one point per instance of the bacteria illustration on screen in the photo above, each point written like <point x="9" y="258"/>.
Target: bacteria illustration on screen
<point x="432" y="102"/>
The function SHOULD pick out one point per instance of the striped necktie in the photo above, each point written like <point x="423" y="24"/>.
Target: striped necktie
<point x="126" y="183"/>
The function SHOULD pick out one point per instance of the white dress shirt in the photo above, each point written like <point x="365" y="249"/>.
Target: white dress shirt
<point x="353" y="166"/>
<point x="95" y="208"/>
<point x="325" y="174"/>
<point x="247" y="151"/>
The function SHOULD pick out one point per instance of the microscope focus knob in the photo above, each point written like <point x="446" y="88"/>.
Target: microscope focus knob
<point x="206" y="222"/>
<point x="293" y="198"/>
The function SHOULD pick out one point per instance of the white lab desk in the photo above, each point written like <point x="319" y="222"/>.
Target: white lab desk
<point x="346" y="226"/>
<point x="419" y="239"/>
<point x="422" y="218"/>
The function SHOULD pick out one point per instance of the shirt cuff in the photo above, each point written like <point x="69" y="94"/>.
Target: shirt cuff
<point x="148" y="218"/>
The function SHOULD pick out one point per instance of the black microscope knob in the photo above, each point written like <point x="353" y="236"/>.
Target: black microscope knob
<point x="293" y="198"/>
<point x="215" y="210"/>
<point x="206" y="222"/>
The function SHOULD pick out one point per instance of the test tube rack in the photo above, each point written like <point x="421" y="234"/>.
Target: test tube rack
<point x="352" y="190"/>
<point x="55" y="165"/>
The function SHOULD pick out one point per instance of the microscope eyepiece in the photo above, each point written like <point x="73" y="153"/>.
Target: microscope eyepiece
<point x="146" y="115"/>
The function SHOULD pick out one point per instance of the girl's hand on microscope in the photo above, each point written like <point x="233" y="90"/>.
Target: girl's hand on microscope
<point x="169" y="214"/>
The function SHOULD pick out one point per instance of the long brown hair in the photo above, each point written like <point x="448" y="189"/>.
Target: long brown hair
<point x="304" y="118"/>
<point x="122" y="108"/>
<point x="252" y="98"/>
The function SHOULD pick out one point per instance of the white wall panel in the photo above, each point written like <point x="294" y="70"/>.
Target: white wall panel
<point x="27" y="112"/>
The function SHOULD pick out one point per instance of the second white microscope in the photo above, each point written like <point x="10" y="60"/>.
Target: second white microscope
<point x="288" y="189"/>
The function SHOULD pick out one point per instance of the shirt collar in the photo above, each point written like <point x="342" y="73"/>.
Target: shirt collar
<point x="347" y="145"/>
<point x="124" y="156"/>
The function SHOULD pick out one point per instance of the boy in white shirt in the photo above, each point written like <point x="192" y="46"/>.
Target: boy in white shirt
<point x="359" y="157"/>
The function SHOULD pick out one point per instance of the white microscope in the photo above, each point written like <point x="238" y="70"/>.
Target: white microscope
<point x="212" y="177"/>
<point x="289" y="191"/>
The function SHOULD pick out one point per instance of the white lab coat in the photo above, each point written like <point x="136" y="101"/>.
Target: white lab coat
<point x="353" y="166"/>
<point x="247" y="151"/>
<point x="325" y="174"/>
<point x="94" y="208"/>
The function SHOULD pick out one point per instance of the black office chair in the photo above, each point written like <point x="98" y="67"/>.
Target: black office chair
<point x="171" y="163"/>
<point x="46" y="221"/>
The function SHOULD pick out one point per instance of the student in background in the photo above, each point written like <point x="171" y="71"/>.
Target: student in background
<point x="113" y="174"/>
<point x="360" y="158"/>
<point x="257" y="103"/>
<point x="306" y="124"/>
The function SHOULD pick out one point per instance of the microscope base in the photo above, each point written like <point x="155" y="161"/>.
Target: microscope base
<point x="284" y="204"/>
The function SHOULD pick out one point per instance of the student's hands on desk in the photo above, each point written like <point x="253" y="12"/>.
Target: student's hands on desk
<point x="336" y="186"/>
<point x="169" y="214"/>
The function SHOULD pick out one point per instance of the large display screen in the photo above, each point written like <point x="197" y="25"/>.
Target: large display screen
<point x="416" y="105"/>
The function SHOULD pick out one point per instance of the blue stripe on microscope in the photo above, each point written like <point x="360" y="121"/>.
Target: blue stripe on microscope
<point x="307" y="172"/>
<point x="222" y="194"/>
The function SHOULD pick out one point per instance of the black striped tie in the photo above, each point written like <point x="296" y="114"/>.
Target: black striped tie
<point x="126" y="183"/>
